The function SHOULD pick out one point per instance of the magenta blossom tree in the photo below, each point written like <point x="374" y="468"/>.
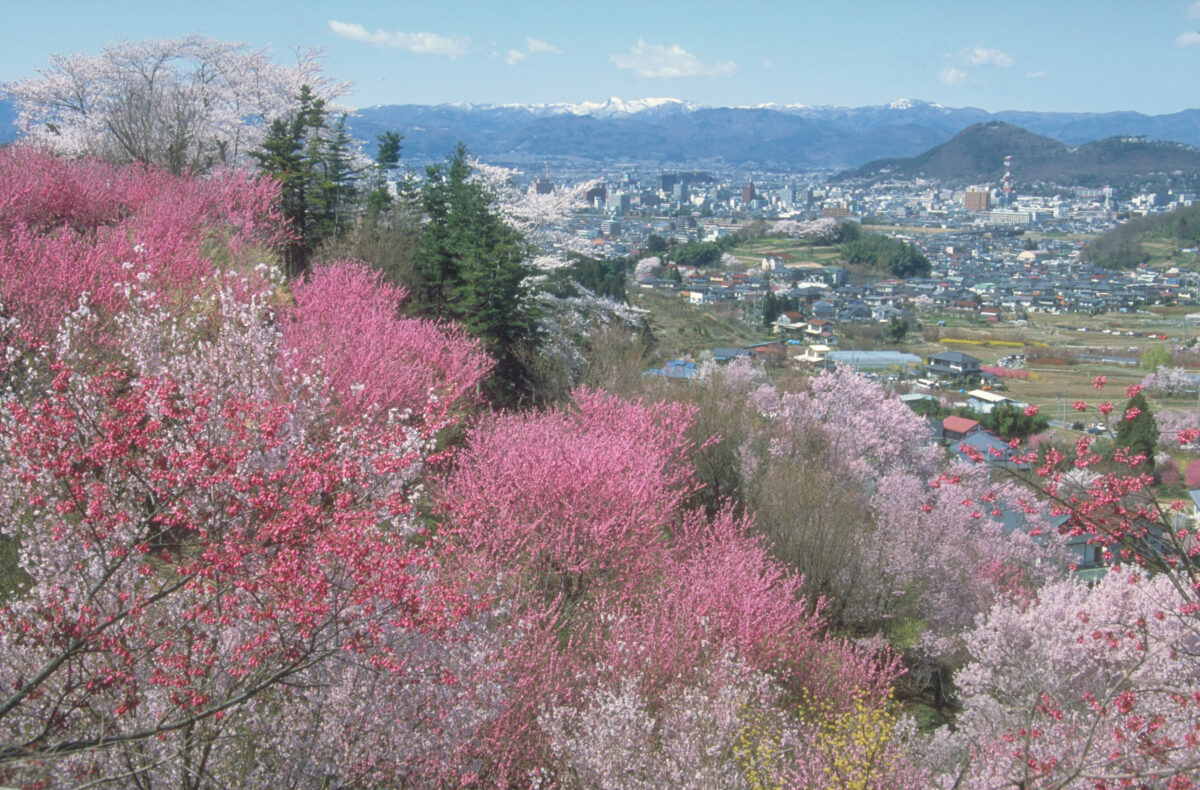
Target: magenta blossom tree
<point x="573" y="524"/>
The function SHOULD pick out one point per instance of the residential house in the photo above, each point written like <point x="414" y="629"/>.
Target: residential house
<point x="984" y="401"/>
<point x="983" y="447"/>
<point x="948" y="364"/>
<point x="955" y="428"/>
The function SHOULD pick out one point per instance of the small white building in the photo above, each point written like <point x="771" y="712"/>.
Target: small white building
<point x="984" y="401"/>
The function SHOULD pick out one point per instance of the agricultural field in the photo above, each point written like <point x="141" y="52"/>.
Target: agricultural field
<point x="751" y="253"/>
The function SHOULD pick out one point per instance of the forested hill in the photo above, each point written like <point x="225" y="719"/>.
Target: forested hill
<point x="977" y="154"/>
<point x="1121" y="247"/>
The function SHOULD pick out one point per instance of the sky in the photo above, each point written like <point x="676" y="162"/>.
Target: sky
<point x="1040" y="55"/>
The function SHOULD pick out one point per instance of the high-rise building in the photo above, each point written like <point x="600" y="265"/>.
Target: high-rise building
<point x="748" y="192"/>
<point x="977" y="200"/>
<point x="836" y="210"/>
<point x="618" y="202"/>
<point x="543" y="186"/>
<point x="596" y="193"/>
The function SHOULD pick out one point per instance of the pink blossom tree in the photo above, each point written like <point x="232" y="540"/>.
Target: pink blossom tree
<point x="208" y="539"/>
<point x="86" y="230"/>
<point x="1095" y="688"/>
<point x="851" y="488"/>
<point x="1080" y="688"/>
<point x="1169" y="381"/>
<point x="573" y="523"/>
<point x="344" y="325"/>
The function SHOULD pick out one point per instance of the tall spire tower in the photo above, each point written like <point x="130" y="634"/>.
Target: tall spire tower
<point x="1007" y="185"/>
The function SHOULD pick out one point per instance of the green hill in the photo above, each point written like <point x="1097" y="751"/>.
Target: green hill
<point x="977" y="154"/>
<point x="1122" y="247"/>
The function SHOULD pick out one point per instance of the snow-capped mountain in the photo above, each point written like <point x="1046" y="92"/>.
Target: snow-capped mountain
<point x="770" y="134"/>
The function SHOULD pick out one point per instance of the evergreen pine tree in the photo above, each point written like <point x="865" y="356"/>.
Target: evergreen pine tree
<point x="471" y="268"/>
<point x="1139" y="434"/>
<point x="770" y="309"/>
<point x="315" y="169"/>
<point x="387" y="159"/>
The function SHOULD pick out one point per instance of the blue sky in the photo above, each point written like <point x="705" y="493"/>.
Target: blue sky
<point x="1010" y="54"/>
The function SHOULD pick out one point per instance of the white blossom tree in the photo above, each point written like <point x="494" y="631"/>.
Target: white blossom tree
<point x="189" y="103"/>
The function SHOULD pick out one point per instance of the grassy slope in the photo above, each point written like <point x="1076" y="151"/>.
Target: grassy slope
<point x="682" y="329"/>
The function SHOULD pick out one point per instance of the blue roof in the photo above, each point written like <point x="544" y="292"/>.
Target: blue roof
<point x="675" y="369"/>
<point x="874" y="359"/>
<point x="994" y="451"/>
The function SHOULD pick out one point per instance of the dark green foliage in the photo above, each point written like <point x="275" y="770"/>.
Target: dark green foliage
<point x="774" y="306"/>
<point x="886" y="254"/>
<point x="1011" y="422"/>
<point x="704" y="253"/>
<point x="314" y="167"/>
<point x="337" y="186"/>
<point x="656" y="245"/>
<point x="896" y="329"/>
<point x="387" y="159"/>
<point x="1007" y="422"/>
<point x="1140" y="434"/>
<point x="845" y="231"/>
<point x="470" y="268"/>
<point x="601" y="277"/>
<point x="13" y="579"/>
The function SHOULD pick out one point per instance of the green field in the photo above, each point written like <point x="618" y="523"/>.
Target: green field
<point x="751" y="253"/>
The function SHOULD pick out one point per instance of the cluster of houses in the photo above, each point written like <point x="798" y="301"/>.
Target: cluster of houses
<point x="973" y="275"/>
<point x="964" y="437"/>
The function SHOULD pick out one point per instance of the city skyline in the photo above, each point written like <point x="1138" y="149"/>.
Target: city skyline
<point x="1063" y="56"/>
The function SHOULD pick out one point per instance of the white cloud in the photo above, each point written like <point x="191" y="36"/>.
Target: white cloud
<point x="1194" y="10"/>
<point x="952" y="76"/>
<point x="420" y="43"/>
<point x="536" y="46"/>
<point x="983" y="56"/>
<point x="656" y="60"/>
<point x="1188" y="40"/>
<point x="515" y="56"/>
<point x="1035" y="75"/>
<point x="767" y="64"/>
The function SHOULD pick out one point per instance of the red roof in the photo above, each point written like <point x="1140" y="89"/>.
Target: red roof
<point x="956" y="424"/>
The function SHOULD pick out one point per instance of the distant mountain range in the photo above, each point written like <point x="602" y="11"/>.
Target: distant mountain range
<point x="977" y="154"/>
<point x="784" y="136"/>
